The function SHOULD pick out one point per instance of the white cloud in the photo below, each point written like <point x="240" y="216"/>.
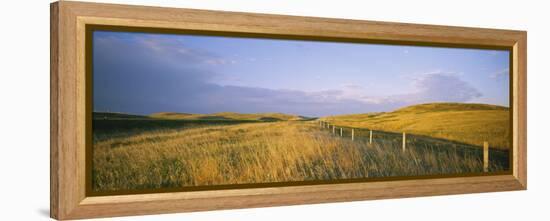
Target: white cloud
<point x="492" y="52"/>
<point x="500" y="74"/>
<point x="175" y="51"/>
<point x="441" y="87"/>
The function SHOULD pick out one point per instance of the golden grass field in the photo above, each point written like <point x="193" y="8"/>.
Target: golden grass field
<point x="468" y="123"/>
<point x="259" y="153"/>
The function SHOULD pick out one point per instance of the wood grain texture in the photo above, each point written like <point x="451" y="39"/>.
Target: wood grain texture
<point x="54" y="95"/>
<point x="68" y="88"/>
<point x="520" y="118"/>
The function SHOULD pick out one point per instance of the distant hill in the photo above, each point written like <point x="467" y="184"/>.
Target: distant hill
<point x="468" y="123"/>
<point x="268" y="117"/>
<point x="116" y="116"/>
<point x="222" y="116"/>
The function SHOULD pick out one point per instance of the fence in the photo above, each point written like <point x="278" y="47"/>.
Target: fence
<point x="366" y="135"/>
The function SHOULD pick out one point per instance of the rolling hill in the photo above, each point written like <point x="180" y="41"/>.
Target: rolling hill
<point x="116" y="116"/>
<point x="221" y="116"/>
<point x="268" y="117"/>
<point x="467" y="123"/>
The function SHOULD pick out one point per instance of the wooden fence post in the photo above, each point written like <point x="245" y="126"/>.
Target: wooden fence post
<point x="485" y="156"/>
<point x="333" y="129"/>
<point x="370" y="137"/>
<point x="404" y="141"/>
<point x="341" y="132"/>
<point x="352" y="134"/>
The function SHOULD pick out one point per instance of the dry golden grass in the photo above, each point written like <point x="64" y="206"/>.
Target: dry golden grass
<point x="468" y="123"/>
<point x="257" y="153"/>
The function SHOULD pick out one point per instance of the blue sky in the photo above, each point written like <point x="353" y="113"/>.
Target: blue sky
<point x="146" y="73"/>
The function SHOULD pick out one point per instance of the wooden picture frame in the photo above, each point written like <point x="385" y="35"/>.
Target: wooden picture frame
<point x="68" y="197"/>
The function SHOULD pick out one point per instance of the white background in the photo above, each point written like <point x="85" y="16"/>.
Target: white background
<point x="24" y="108"/>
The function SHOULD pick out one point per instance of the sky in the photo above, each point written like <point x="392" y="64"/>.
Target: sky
<point x="144" y="73"/>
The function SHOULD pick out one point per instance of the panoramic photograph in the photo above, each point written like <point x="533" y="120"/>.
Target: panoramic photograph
<point x="181" y="111"/>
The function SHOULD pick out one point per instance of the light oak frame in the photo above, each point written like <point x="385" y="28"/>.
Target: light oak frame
<point x="68" y="106"/>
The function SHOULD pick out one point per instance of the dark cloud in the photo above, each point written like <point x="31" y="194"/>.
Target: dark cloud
<point x="132" y="76"/>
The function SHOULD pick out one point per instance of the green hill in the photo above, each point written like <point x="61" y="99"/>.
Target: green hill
<point x="467" y="123"/>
